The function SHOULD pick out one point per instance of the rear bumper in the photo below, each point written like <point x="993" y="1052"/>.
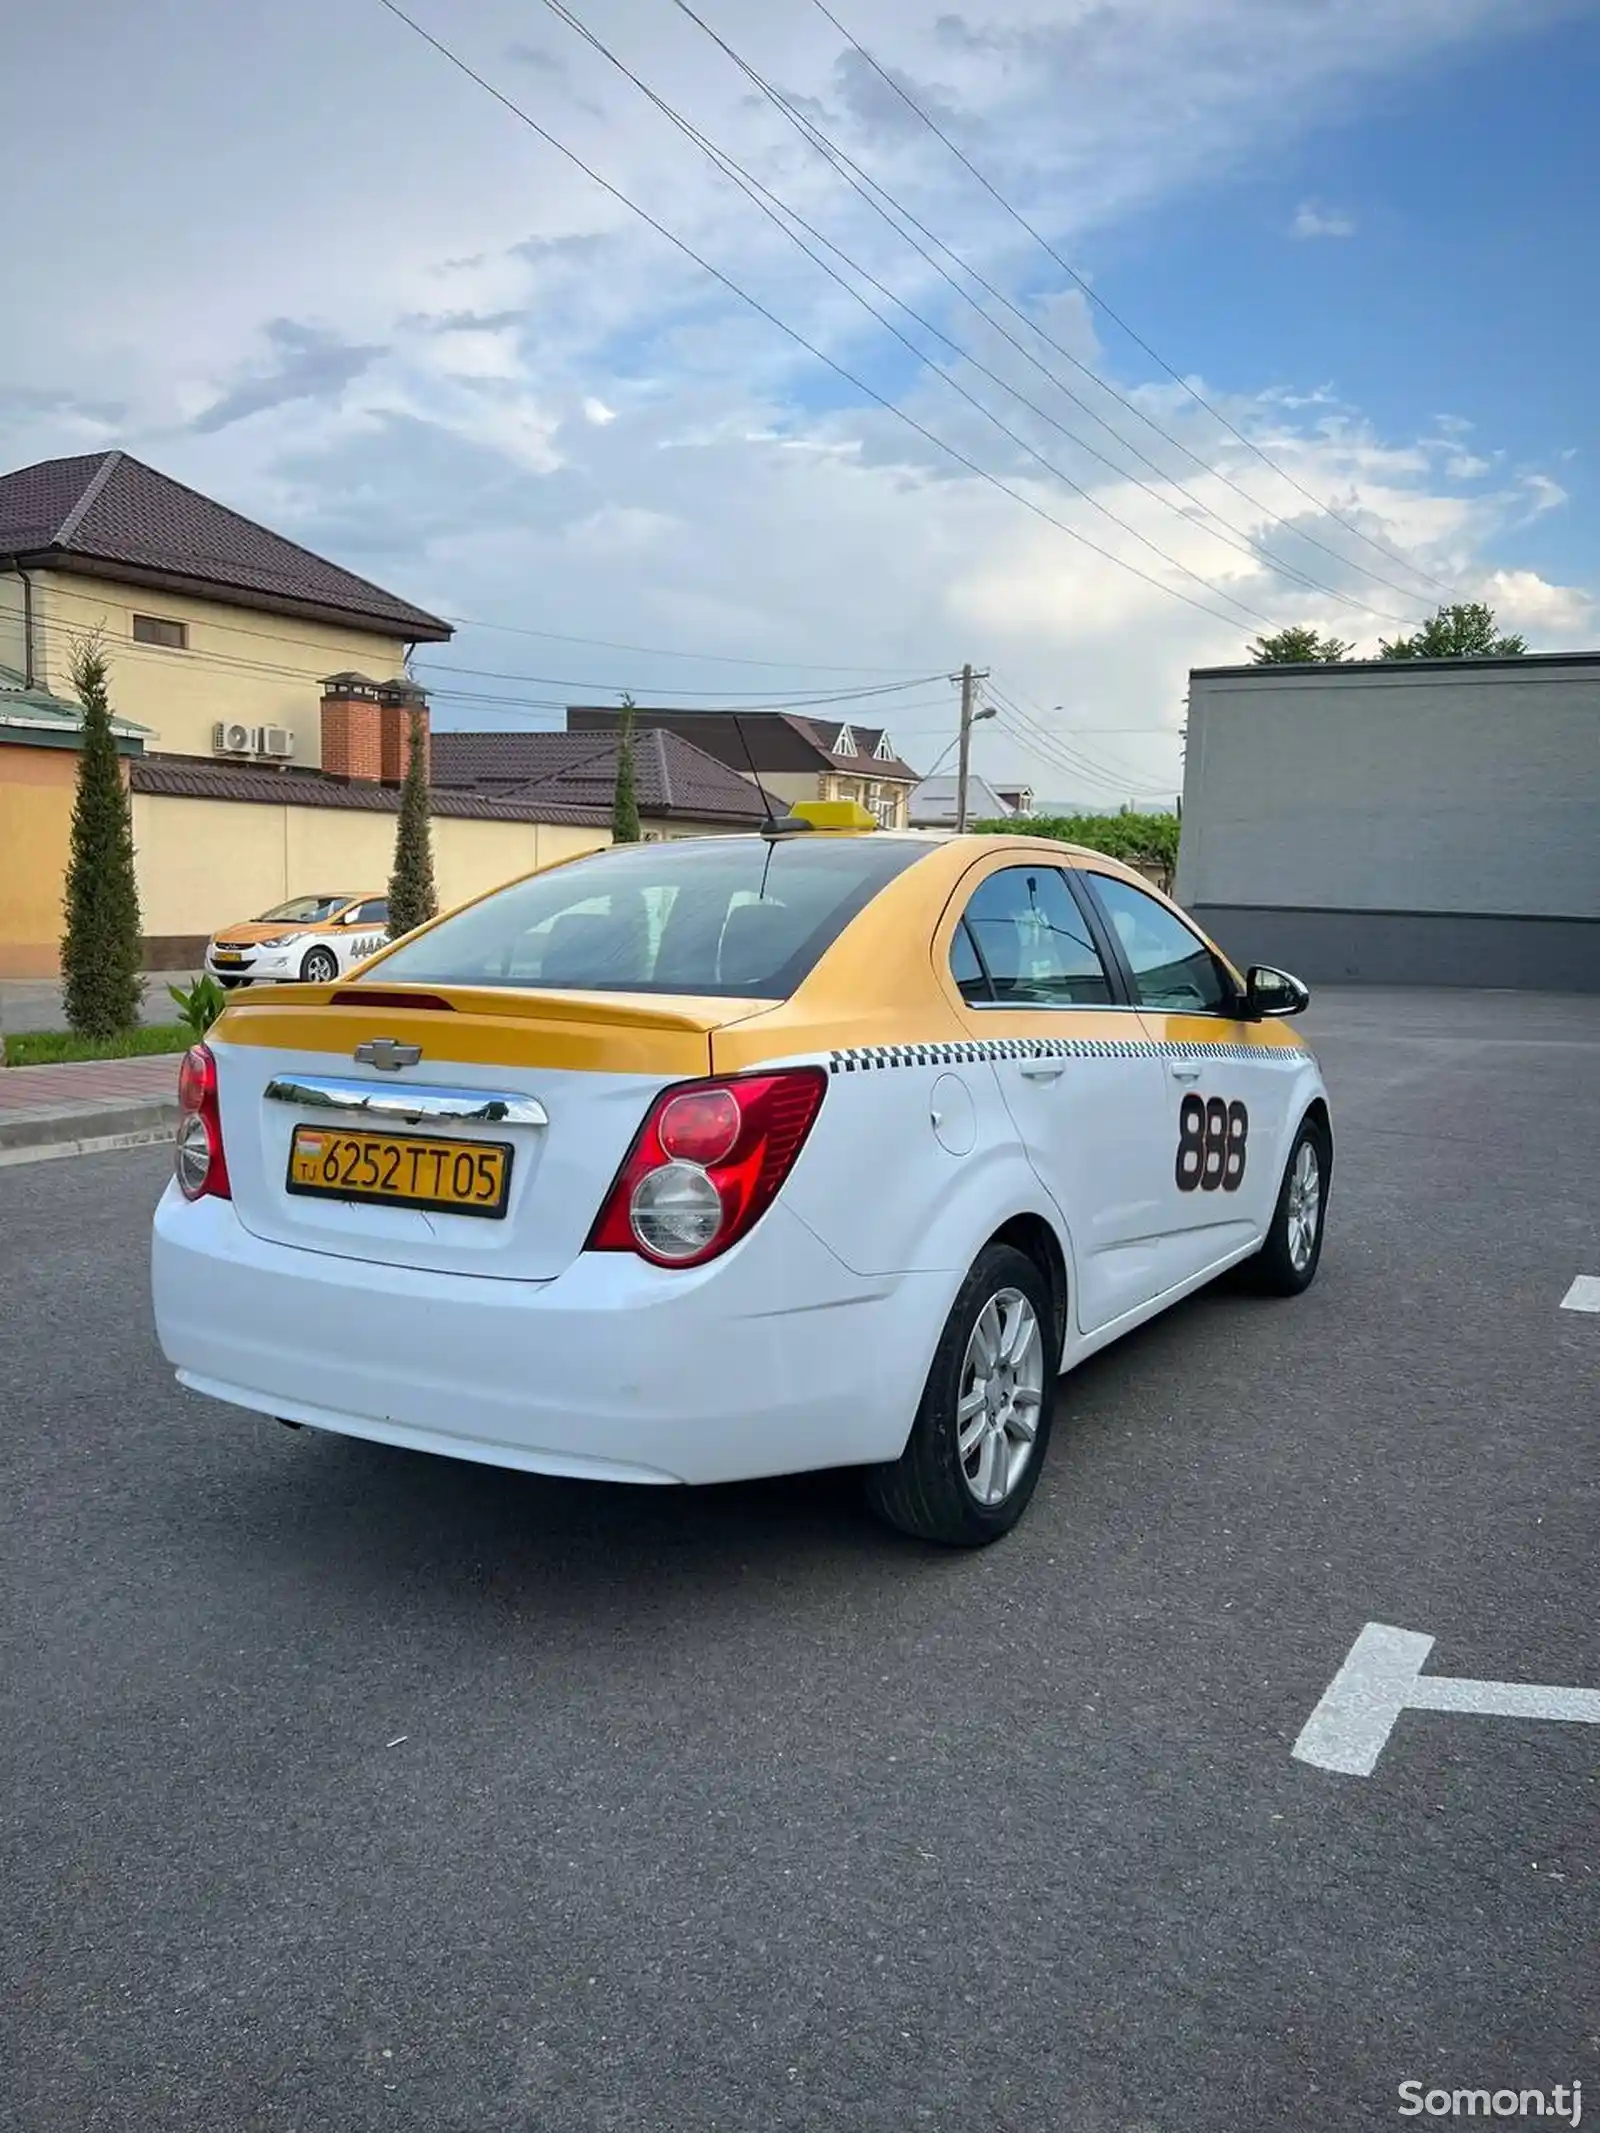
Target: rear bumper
<point x="773" y="1360"/>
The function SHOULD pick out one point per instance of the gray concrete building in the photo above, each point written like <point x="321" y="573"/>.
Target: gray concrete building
<point x="1430" y="822"/>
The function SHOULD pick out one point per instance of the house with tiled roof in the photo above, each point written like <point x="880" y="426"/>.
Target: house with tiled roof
<point x="681" y="790"/>
<point x="262" y="708"/>
<point x="791" y="755"/>
<point x="218" y="632"/>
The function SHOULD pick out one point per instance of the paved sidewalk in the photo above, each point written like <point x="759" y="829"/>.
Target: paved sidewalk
<point x="35" y="1003"/>
<point x="99" y="1103"/>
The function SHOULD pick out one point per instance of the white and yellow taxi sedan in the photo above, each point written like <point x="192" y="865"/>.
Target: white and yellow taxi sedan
<point x="738" y="1156"/>
<point x="313" y="939"/>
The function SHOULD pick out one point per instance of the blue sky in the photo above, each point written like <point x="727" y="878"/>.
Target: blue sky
<point x="314" y="272"/>
<point x="1470" y="284"/>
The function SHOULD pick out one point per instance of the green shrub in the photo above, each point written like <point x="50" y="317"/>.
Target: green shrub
<point x="199" y="1004"/>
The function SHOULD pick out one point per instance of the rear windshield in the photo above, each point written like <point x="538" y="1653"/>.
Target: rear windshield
<point x="740" y="917"/>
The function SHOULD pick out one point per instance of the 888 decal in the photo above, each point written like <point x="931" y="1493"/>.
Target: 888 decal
<point x="1212" y="1144"/>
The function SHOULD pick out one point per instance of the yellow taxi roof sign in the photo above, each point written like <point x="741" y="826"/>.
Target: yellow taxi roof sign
<point x="834" y="815"/>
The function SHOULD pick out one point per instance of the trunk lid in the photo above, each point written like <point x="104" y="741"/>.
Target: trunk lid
<point x="579" y="1072"/>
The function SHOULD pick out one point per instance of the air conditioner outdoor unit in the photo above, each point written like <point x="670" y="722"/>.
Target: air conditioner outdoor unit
<point x="277" y="740"/>
<point x="230" y="740"/>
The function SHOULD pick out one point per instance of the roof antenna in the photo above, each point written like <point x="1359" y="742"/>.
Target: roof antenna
<point x="772" y="827"/>
<point x="771" y="822"/>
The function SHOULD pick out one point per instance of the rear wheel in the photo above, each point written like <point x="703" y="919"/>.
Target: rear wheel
<point x="976" y="1448"/>
<point x="1287" y="1262"/>
<point x="321" y="966"/>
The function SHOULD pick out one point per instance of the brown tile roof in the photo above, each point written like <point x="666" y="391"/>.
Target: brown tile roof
<point x="112" y="513"/>
<point x="183" y="777"/>
<point x="673" y="778"/>
<point x="778" y="740"/>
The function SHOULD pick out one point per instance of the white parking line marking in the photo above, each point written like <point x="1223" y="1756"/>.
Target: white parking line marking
<point x="1382" y="1677"/>
<point x="1584" y="1295"/>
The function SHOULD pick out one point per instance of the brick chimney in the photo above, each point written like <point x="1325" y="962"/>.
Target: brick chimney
<point x="400" y="703"/>
<point x="352" y="728"/>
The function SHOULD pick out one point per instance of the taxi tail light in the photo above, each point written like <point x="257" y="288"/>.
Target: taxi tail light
<point x="707" y="1164"/>
<point x="199" y="1163"/>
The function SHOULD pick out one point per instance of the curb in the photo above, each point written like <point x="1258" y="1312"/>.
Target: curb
<point x="84" y="1129"/>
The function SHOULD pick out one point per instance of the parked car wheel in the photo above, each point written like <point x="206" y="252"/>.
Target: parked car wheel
<point x="976" y="1448"/>
<point x="321" y="966"/>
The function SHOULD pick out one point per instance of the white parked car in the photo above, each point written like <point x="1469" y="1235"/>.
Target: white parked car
<point x="310" y="939"/>
<point x="735" y="1156"/>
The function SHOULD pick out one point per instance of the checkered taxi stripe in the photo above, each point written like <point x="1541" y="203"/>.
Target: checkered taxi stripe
<point x="975" y="1051"/>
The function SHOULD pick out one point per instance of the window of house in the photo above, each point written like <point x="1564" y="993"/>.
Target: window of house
<point x="156" y="629"/>
<point x="846" y="743"/>
<point x="1172" y="967"/>
<point x="1033" y="944"/>
<point x="885" y="751"/>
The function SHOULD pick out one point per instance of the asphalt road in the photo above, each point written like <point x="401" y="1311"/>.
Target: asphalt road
<point x="347" y="1790"/>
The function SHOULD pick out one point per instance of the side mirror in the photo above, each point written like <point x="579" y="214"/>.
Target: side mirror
<point x="1274" y="992"/>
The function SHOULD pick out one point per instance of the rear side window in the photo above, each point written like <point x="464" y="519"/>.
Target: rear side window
<point x="1032" y="944"/>
<point x="739" y="917"/>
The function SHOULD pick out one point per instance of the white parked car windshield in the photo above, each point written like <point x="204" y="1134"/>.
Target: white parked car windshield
<point x="306" y="910"/>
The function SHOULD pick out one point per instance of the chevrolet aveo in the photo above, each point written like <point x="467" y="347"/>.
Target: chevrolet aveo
<point x="739" y="1156"/>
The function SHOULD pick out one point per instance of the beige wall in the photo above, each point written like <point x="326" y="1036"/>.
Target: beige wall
<point x="36" y="794"/>
<point x="13" y="648"/>
<point x="207" y="863"/>
<point x="240" y="667"/>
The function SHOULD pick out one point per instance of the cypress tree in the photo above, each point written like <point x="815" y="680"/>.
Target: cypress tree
<point x="412" y="897"/>
<point x="624" y="800"/>
<point x="102" y="948"/>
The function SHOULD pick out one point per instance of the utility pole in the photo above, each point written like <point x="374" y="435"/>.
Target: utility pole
<point x="969" y="677"/>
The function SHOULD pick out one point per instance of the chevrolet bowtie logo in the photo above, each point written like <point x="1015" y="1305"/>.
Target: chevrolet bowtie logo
<point x="383" y="1052"/>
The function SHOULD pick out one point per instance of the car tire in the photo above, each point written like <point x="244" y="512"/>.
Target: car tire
<point x="943" y="1486"/>
<point x="1287" y="1262"/>
<point x="320" y="966"/>
<point x="229" y="984"/>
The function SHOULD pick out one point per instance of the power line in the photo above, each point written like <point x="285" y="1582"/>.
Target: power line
<point x="226" y="662"/>
<point x="1096" y="298"/>
<point x="186" y="558"/>
<point x="867" y="187"/>
<point x="611" y="688"/>
<point x="792" y="333"/>
<point x="1063" y="737"/>
<point x="781" y="214"/>
<point x="1050" y="748"/>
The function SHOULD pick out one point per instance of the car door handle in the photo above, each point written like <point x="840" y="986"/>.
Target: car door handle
<point x="1044" y="1069"/>
<point x="1186" y="1073"/>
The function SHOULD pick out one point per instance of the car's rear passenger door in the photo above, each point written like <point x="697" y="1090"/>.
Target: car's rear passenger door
<point x="1229" y="1082"/>
<point x="1086" y="1095"/>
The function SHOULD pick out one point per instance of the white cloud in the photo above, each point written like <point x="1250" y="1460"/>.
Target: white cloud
<point x="1543" y="494"/>
<point x="1310" y="220"/>
<point x="1556" y="618"/>
<point x="570" y="427"/>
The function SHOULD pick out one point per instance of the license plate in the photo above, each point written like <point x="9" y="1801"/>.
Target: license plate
<point x="225" y="955"/>
<point x="401" y="1170"/>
